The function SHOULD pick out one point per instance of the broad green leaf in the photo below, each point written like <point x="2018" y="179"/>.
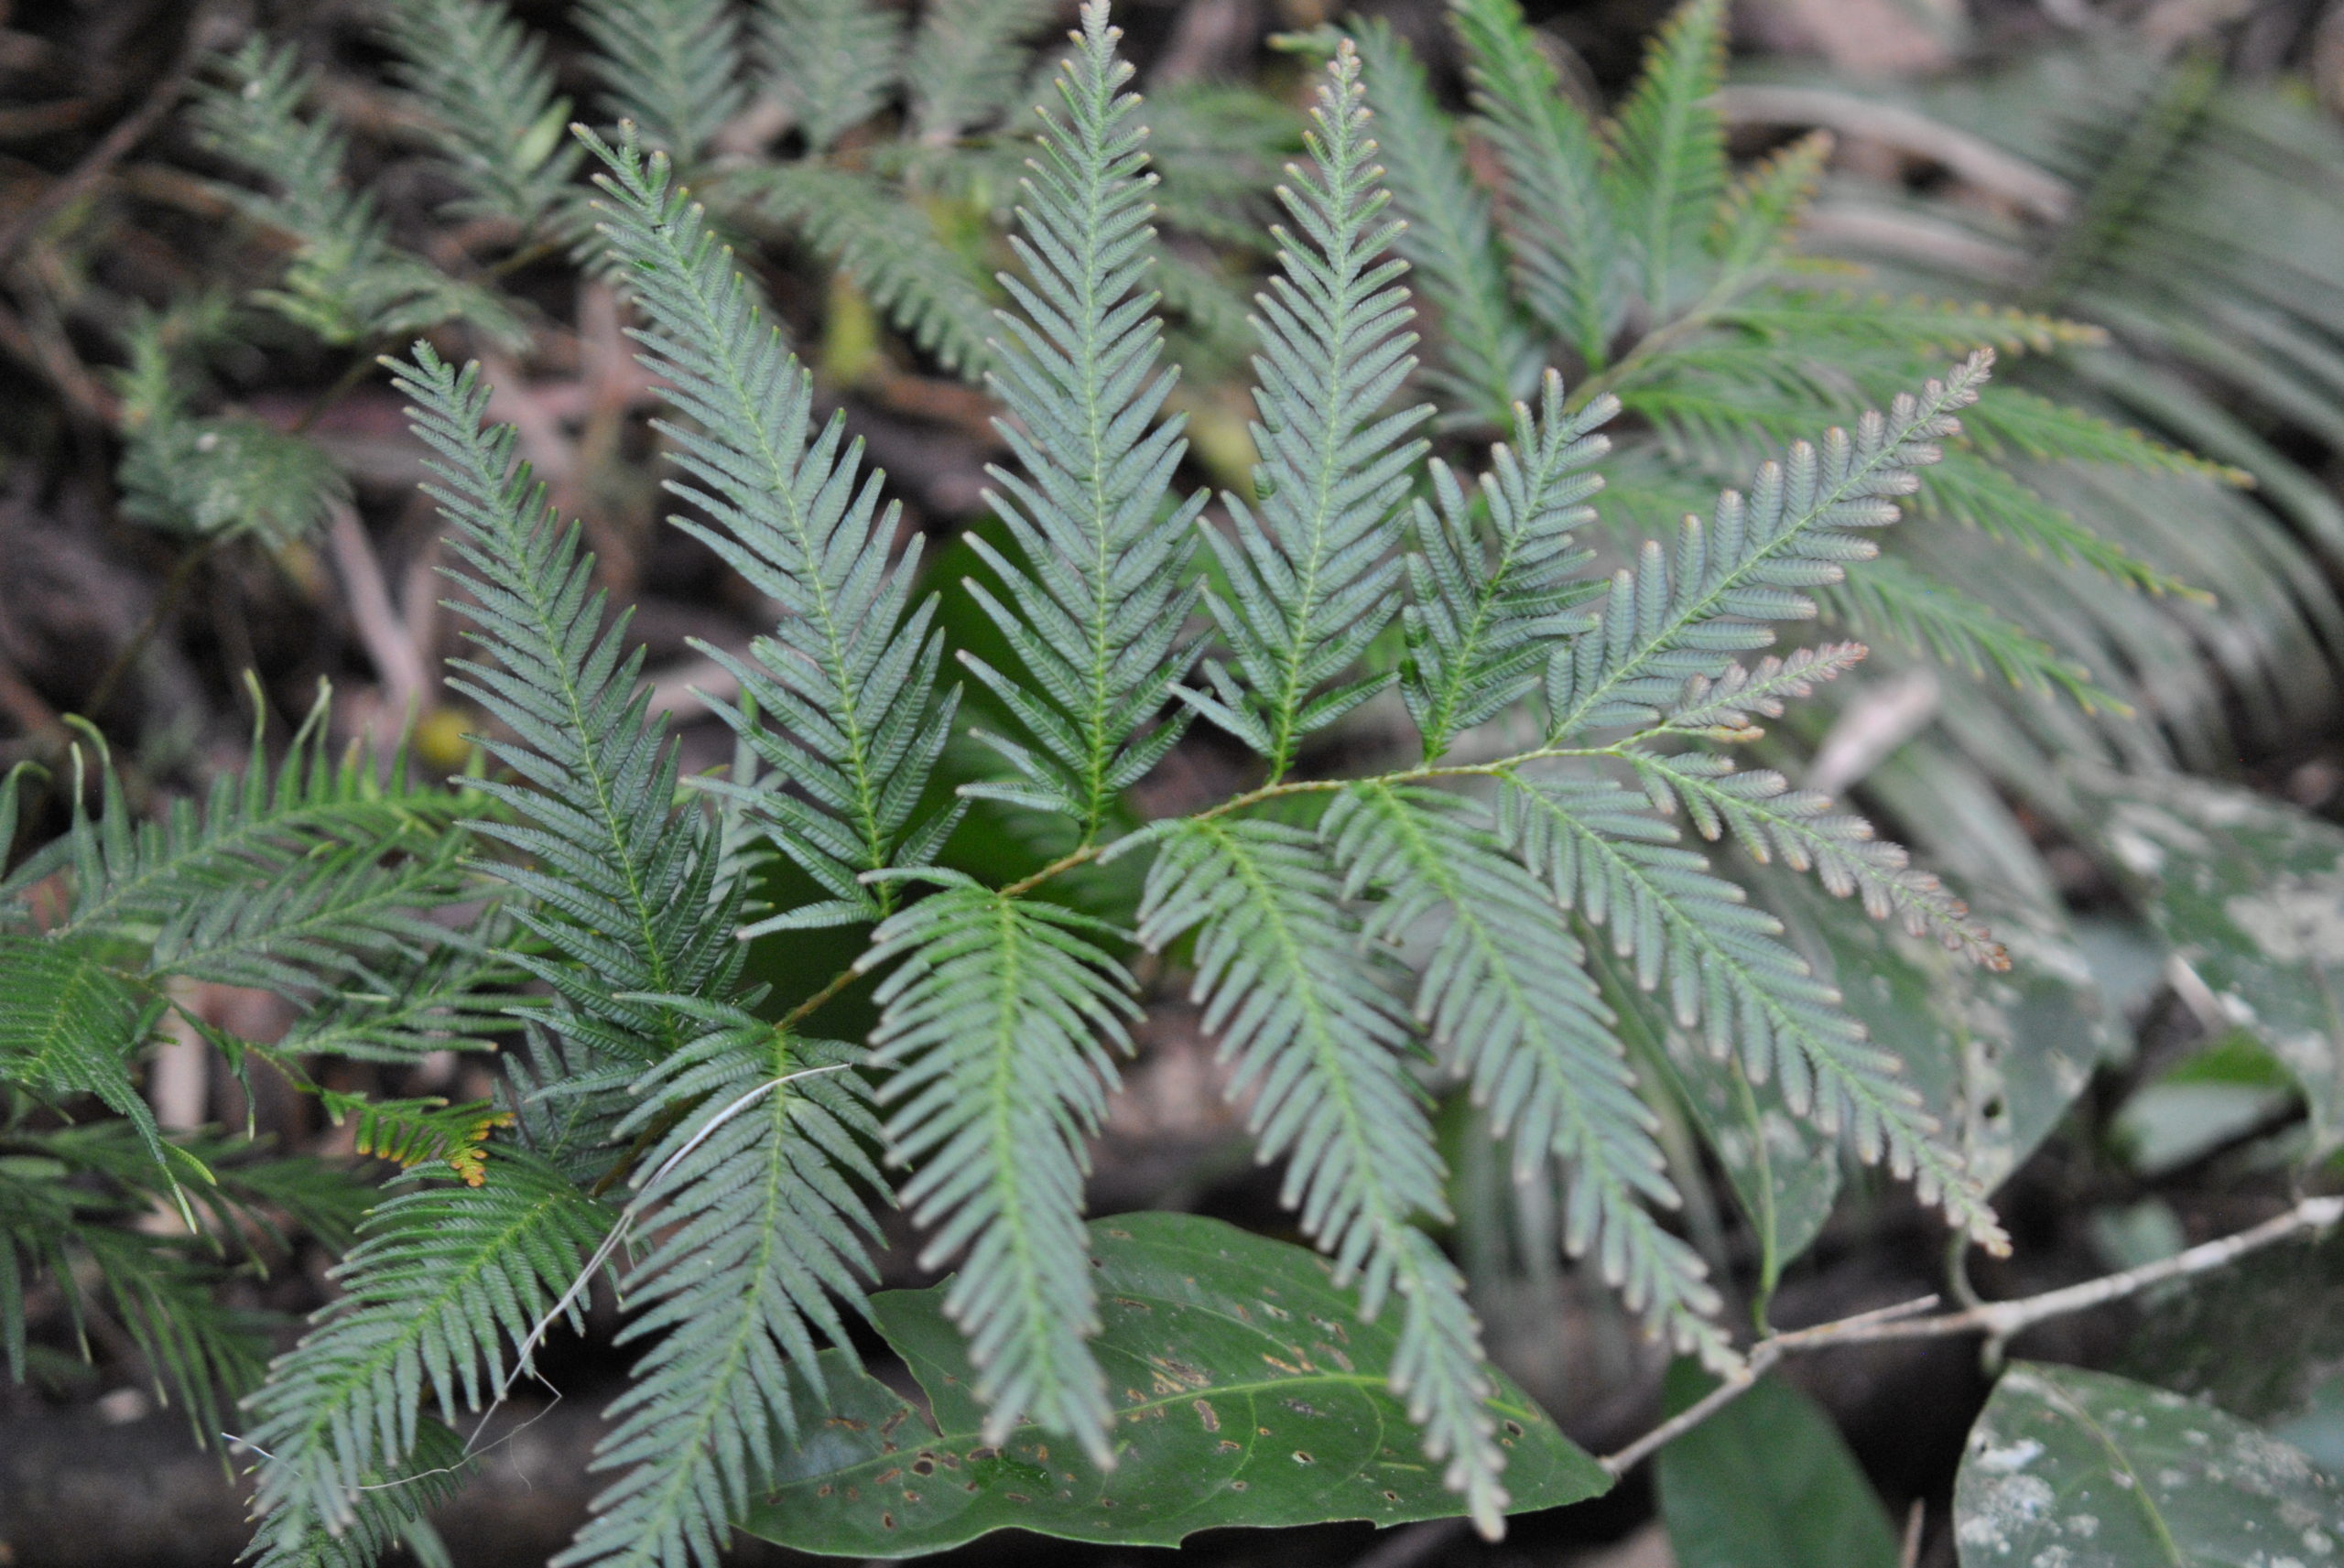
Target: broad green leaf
<point x="1766" y="1482"/>
<point x="1997" y="1057"/>
<point x="1247" y="1392"/>
<point x="2084" y="1470"/>
<point x="2249" y="893"/>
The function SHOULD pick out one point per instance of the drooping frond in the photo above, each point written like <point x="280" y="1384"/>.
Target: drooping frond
<point x="1310" y="582"/>
<point x="1482" y="618"/>
<point x="1727" y="972"/>
<point x="993" y="1023"/>
<point x="69" y="1024"/>
<point x="1506" y="987"/>
<point x="381" y="1518"/>
<point x="831" y="63"/>
<point x="1095" y="605"/>
<point x="441" y="1276"/>
<point x="1753" y="562"/>
<point x="671" y="67"/>
<point x="891" y="251"/>
<point x="618" y="883"/>
<point x="967" y="62"/>
<point x="763" y="1230"/>
<point x="1768" y="818"/>
<point x="1669" y="164"/>
<point x="482" y="81"/>
<point x="1487" y="356"/>
<point x="1565" y="235"/>
<point x="849" y="672"/>
<point x="1292" y="993"/>
<point x="347" y="283"/>
<point x="1968" y="488"/>
<point x="1892" y="602"/>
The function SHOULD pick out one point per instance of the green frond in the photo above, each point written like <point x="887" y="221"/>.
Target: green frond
<point x="617" y="884"/>
<point x="1095" y="603"/>
<point x="455" y="1000"/>
<point x="1892" y="602"/>
<point x="1505" y="987"/>
<point x="1482" y="618"/>
<point x="347" y="283"/>
<point x="992" y="1025"/>
<point x="1755" y="562"/>
<point x="482" y="81"/>
<point x="1758" y="218"/>
<point x="1487" y="358"/>
<point x="763" y="1228"/>
<point x="395" y="1502"/>
<point x="967" y="62"/>
<point x="831" y="63"/>
<point x="1302" y="1005"/>
<point x="1768" y="817"/>
<point x="1819" y="320"/>
<point x="443" y="1276"/>
<point x="842" y="698"/>
<point x="72" y="1024"/>
<point x="1311" y="583"/>
<point x="2010" y="419"/>
<point x="672" y="68"/>
<point x="411" y="1132"/>
<point x="888" y="246"/>
<point x="215" y="478"/>
<point x="1727" y="972"/>
<point x="1719" y="709"/>
<point x="1966" y="487"/>
<point x="1558" y="216"/>
<point x="1667" y="167"/>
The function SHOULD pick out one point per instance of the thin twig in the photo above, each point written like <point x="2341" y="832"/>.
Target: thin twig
<point x="1998" y="1320"/>
<point x="166" y="602"/>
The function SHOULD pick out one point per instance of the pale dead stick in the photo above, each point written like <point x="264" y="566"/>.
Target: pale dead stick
<point x="1999" y="1321"/>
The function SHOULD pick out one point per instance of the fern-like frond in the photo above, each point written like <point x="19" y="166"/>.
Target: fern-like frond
<point x="831" y="63"/>
<point x="850" y="671"/>
<point x="1487" y="355"/>
<point x="1822" y="319"/>
<point x="1768" y="817"/>
<point x="411" y="1132"/>
<point x="1755" y="562"/>
<point x="993" y="1022"/>
<point x="1505" y="987"/>
<point x="1726" y="970"/>
<point x="763" y="1228"/>
<point x="1095" y="605"/>
<point x="1311" y="583"/>
<point x="1565" y="235"/>
<point x="618" y="883"/>
<point x="671" y="67"/>
<point x="1303" y="1006"/>
<point x="887" y="245"/>
<point x="1669" y="164"/>
<point x="1892" y="602"/>
<point x="1721" y="708"/>
<point x="967" y="62"/>
<point x="395" y="1502"/>
<point x="1482" y="618"/>
<point x="347" y="282"/>
<point x="441" y="1276"/>
<point x="482" y="81"/>
<point x="1760" y="210"/>
<point x="72" y="1024"/>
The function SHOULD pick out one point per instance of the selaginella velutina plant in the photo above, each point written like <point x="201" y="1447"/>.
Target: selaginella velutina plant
<point x="1002" y="1008"/>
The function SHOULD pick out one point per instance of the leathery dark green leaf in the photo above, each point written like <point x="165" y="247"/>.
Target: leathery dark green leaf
<point x="1247" y="1392"/>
